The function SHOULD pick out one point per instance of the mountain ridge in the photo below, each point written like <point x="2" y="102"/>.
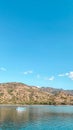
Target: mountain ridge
<point x="20" y="93"/>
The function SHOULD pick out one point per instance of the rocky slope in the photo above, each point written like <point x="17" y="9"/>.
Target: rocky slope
<point x="19" y="93"/>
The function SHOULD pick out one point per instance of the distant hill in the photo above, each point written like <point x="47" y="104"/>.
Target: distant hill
<point x="19" y="93"/>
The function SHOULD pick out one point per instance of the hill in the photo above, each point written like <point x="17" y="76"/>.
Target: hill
<point x="19" y="93"/>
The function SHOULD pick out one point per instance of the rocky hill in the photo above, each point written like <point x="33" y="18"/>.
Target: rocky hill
<point x="19" y="93"/>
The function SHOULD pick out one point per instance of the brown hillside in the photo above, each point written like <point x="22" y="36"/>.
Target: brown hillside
<point x="19" y="93"/>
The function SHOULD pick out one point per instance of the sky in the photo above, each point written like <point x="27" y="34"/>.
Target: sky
<point x="36" y="42"/>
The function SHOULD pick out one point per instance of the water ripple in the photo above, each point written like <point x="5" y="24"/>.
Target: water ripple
<point x="37" y="118"/>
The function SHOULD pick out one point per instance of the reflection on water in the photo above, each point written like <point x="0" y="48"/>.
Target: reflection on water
<point x="37" y="118"/>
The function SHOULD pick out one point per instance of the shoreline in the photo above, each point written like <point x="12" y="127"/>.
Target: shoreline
<point x="17" y="105"/>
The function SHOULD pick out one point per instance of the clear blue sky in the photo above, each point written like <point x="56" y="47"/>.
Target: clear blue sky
<point x="36" y="42"/>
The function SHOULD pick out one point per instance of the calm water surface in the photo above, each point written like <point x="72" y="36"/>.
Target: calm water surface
<point x="36" y="118"/>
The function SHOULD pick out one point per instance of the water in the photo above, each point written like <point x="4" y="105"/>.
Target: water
<point x="36" y="118"/>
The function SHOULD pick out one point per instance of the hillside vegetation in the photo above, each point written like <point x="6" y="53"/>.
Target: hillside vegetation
<point x="19" y="93"/>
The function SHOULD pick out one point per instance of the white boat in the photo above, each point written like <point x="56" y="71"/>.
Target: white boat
<point x="20" y="109"/>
